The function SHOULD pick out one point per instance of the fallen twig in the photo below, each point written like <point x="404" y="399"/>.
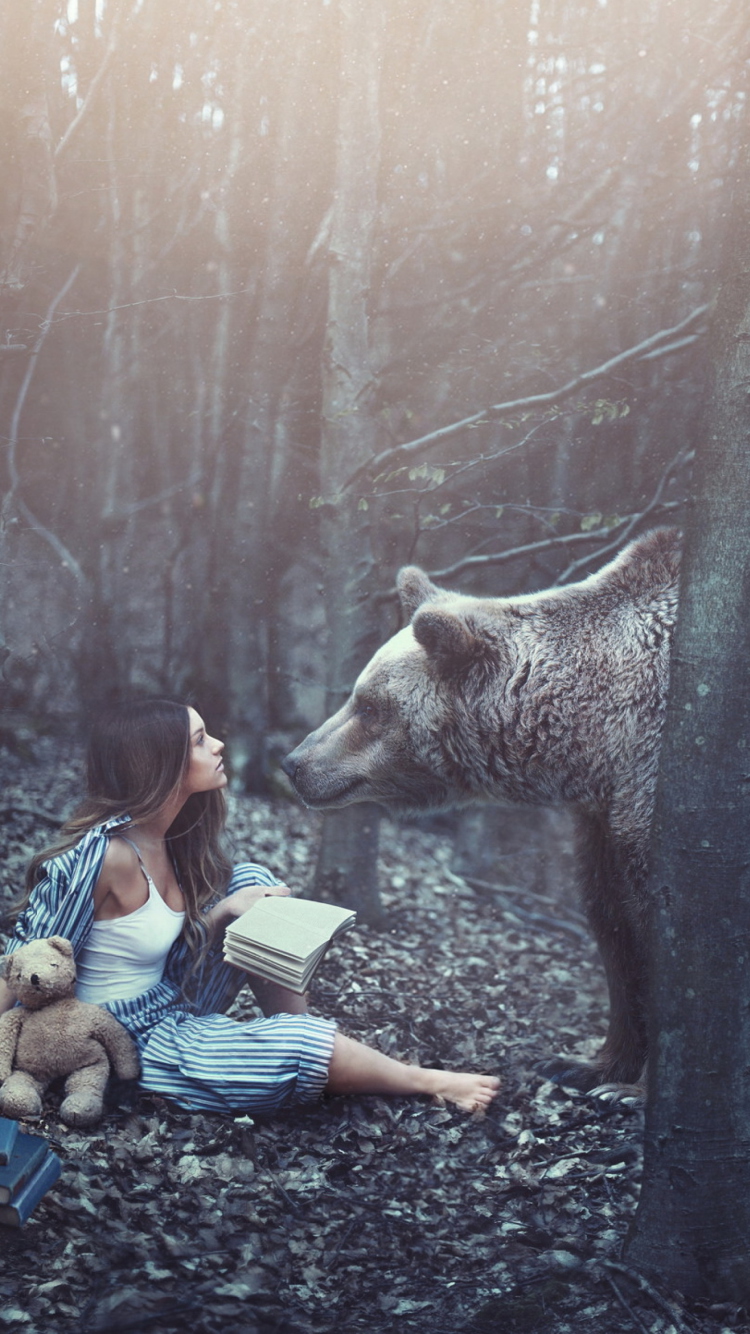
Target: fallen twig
<point x="535" y="918"/>
<point x="653" y="1293"/>
<point x="626" y="1305"/>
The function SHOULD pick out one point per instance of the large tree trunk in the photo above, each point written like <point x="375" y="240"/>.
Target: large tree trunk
<point x="347" y="863"/>
<point x="692" y="1227"/>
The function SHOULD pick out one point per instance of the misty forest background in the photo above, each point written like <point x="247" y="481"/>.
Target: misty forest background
<point x="292" y="293"/>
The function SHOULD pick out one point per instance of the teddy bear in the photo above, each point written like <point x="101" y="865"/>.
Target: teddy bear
<point x="53" y="1035"/>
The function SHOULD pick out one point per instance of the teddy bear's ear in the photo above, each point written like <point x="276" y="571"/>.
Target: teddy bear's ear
<point x="62" y="945"/>
<point x="5" y="965"/>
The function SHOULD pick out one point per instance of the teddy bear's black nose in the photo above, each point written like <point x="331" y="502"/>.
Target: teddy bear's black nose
<point x="34" y="979"/>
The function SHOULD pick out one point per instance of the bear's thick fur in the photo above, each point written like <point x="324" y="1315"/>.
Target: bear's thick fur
<point x="554" y="697"/>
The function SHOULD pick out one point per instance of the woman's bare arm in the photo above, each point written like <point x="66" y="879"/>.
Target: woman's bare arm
<point x="224" y="912"/>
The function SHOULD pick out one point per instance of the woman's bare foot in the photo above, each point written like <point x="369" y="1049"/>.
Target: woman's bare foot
<point x="355" y="1068"/>
<point x="472" y="1093"/>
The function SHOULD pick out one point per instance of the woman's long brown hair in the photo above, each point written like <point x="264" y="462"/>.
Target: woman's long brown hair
<point x="138" y="756"/>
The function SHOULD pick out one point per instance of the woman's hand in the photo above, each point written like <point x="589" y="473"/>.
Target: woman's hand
<point x="235" y="904"/>
<point x="243" y="899"/>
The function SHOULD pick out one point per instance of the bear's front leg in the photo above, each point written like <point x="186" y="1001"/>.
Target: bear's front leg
<point x="83" y="1104"/>
<point x="21" y="1096"/>
<point x="613" y="872"/>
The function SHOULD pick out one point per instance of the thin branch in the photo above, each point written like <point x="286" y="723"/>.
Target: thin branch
<point x="648" y="1288"/>
<point x="626" y="1305"/>
<point x="634" y="353"/>
<point x="151" y="301"/>
<point x="669" y="348"/>
<point x="615" y="535"/>
<point x="654" y="506"/>
<point x="548" y="543"/>
<point x="513" y="892"/>
<point x="126" y="511"/>
<point x="88" y="99"/>
<point x="521" y="257"/>
<point x="483" y="459"/>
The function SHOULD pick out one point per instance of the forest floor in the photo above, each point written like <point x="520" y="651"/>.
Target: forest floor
<point x="359" y="1214"/>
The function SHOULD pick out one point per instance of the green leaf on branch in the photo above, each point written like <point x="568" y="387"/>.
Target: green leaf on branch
<point x="426" y="472"/>
<point x="609" y="412"/>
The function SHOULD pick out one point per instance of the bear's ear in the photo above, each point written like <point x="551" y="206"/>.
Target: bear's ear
<point x="445" y="636"/>
<point x="414" y="588"/>
<point x="646" y="567"/>
<point x="62" y="945"/>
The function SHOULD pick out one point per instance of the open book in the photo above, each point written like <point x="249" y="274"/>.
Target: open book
<point x="285" y="939"/>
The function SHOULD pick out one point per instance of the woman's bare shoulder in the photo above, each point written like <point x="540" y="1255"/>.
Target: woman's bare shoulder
<point x="121" y="882"/>
<point x="120" y="861"/>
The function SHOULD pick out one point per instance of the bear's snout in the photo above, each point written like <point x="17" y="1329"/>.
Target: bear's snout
<point x="34" y="980"/>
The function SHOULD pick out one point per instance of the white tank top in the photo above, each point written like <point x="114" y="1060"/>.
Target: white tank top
<point x="124" y="957"/>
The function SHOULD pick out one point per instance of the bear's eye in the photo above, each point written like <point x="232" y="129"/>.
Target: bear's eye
<point x="367" y="711"/>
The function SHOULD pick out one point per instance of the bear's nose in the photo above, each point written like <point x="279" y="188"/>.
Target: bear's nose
<point x="34" y="979"/>
<point x="290" y="766"/>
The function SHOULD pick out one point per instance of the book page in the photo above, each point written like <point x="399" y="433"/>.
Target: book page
<point x="293" y="927"/>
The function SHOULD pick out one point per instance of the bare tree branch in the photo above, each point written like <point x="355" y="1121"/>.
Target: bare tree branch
<point x="615" y="534"/>
<point x="547" y="543"/>
<point x="151" y="301"/>
<point x="110" y="517"/>
<point x="88" y="99"/>
<point x="655" y="505"/>
<point x="634" y="353"/>
<point x="669" y="348"/>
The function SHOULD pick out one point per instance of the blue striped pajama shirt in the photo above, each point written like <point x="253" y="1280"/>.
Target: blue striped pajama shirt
<point x="190" y="1050"/>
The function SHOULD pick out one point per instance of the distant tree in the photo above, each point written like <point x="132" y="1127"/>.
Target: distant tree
<point x="347" y="863"/>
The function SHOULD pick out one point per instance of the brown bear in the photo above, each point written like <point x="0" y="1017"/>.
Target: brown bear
<point x="552" y="697"/>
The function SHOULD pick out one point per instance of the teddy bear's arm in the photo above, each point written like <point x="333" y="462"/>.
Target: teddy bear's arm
<point x="10" y="1028"/>
<point x="119" y="1046"/>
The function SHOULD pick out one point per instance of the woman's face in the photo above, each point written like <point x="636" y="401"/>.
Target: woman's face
<point x="205" y="770"/>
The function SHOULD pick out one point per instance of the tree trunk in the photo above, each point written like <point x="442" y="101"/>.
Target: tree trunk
<point x="249" y="554"/>
<point x="692" y="1227"/>
<point x="349" y="847"/>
